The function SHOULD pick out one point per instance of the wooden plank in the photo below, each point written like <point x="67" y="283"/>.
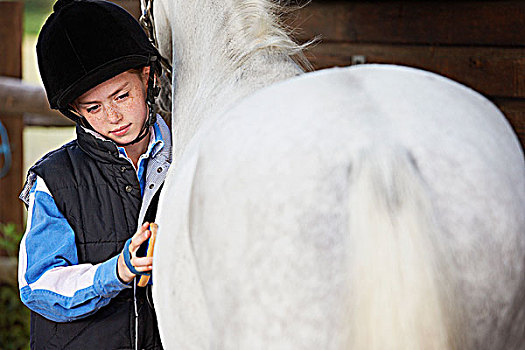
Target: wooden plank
<point x="17" y="96"/>
<point x="492" y="71"/>
<point x="31" y="119"/>
<point x="11" y="38"/>
<point x="493" y="23"/>
<point x="132" y="6"/>
<point x="514" y="110"/>
<point x="11" y="209"/>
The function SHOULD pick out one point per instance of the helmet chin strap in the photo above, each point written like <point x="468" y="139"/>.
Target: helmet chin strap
<point x="151" y="94"/>
<point x="144" y="131"/>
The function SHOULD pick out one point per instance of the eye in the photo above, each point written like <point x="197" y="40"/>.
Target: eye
<point x="123" y="96"/>
<point x="92" y="109"/>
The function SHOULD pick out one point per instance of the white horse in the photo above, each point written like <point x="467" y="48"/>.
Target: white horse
<point x="372" y="207"/>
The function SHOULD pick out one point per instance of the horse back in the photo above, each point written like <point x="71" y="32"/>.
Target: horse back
<point x="266" y="204"/>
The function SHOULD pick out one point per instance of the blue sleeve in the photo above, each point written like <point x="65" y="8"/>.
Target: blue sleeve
<point x="51" y="281"/>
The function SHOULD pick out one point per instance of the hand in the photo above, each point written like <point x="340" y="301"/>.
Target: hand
<point x="141" y="264"/>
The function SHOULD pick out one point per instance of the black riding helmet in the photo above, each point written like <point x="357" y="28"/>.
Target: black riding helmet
<point x="86" y="42"/>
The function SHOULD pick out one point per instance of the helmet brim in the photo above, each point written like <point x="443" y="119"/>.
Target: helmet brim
<point x="98" y="76"/>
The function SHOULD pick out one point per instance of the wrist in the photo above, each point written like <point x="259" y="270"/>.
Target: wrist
<point x="123" y="274"/>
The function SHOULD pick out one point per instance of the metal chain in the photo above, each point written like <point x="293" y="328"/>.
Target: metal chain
<point x="147" y="22"/>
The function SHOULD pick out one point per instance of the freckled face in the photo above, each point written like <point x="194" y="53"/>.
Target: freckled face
<point x="116" y="108"/>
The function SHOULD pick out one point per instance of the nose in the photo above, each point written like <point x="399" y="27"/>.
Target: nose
<point x="113" y="114"/>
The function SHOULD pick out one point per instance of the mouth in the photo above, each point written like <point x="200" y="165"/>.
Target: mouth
<point x="121" y="131"/>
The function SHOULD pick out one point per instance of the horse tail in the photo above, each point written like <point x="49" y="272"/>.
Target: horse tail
<point x="397" y="297"/>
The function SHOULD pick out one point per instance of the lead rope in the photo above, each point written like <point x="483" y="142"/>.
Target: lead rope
<point x="136" y="314"/>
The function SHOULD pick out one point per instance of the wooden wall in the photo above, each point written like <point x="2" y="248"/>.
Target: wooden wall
<point x="11" y="209"/>
<point x="478" y="43"/>
<point x="132" y="6"/>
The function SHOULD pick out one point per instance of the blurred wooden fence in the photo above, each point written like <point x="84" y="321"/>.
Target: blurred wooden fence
<point x="11" y="210"/>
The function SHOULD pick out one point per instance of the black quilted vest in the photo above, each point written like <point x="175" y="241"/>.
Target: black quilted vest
<point x="99" y="194"/>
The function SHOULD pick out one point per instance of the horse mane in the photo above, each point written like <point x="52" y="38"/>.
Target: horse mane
<point x="258" y="26"/>
<point x="222" y="51"/>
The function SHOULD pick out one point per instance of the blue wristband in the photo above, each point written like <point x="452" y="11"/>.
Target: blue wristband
<point x="127" y="261"/>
